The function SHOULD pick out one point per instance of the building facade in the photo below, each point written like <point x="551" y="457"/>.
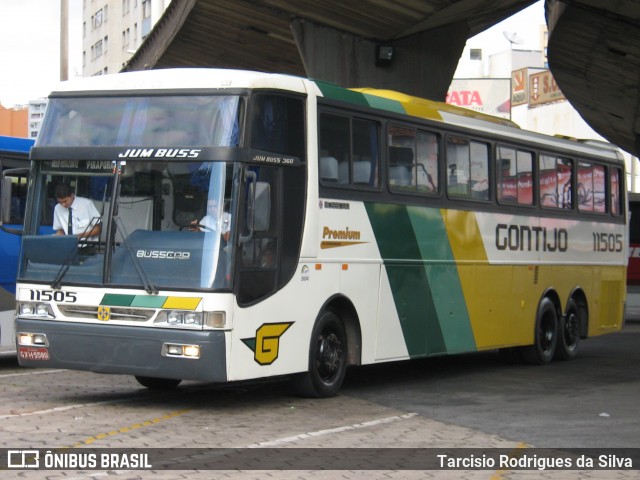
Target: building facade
<point x="36" y="113"/>
<point x="112" y="30"/>
<point x="13" y="121"/>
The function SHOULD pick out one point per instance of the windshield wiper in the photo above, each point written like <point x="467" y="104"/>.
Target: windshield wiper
<point x="149" y="286"/>
<point x="57" y="282"/>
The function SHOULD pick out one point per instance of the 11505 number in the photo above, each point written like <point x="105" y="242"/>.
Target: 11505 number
<point x="607" y="242"/>
<point x="55" y="295"/>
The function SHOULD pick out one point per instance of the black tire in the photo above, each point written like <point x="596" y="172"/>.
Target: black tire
<point x="327" y="359"/>
<point x="545" y="335"/>
<point x="154" y="383"/>
<point x="569" y="333"/>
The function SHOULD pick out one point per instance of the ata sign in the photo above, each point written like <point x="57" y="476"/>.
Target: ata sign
<point x="485" y="95"/>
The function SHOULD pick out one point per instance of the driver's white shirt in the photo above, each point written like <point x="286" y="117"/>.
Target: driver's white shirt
<point x="85" y="216"/>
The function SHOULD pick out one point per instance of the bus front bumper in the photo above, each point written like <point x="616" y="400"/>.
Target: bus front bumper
<point x="117" y="349"/>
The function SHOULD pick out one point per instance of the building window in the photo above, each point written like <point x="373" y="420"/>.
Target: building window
<point x="97" y="49"/>
<point x="475" y="54"/>
<point x="97" y="19"/>
<point x="146" y="8"/>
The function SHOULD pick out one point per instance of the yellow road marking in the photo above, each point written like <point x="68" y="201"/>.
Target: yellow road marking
<point x="516" y="452"/>
<point x="129" y="428"/>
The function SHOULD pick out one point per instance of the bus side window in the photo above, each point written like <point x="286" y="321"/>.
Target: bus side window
<point x="514" y="176"/>
<point x="479" y="170"/>
<point x="458" y="167"/>
<point x="364" y="169"/>
<point x="427" y="162"/>
<point x="401" y="158"/>
<point x="278" y="124"/>
<point x="615" y="186"/>
<point x="556" y="182"/>
<point x="585" y="187"/>
<point x="400" y="161"/>
<point x="348" y="151"/>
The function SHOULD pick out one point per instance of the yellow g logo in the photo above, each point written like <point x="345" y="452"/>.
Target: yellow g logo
<point x="266" y="344"/>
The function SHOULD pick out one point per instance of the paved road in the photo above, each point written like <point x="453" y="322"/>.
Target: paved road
<point x="588" y="402"/>
<point x="471" y="401"/>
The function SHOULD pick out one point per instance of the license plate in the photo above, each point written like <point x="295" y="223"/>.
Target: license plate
<point x="33" y="353"/>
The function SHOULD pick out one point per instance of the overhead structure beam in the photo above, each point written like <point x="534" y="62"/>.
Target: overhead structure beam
<point x="330" y="40"/>
<point x="594" y="55"/>
<point x="421" y="65"/>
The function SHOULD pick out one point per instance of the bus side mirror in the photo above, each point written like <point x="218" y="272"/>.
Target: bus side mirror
<point x="262" y="209"/>
<point x="258" y="208"/>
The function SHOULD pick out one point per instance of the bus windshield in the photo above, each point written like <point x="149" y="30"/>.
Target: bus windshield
<point x="169" y="226"/>
<point x="163" y="222"/>
<point x="141" y="121"/>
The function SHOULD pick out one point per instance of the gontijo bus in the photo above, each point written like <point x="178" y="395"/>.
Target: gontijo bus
<point x="258" y="225"/>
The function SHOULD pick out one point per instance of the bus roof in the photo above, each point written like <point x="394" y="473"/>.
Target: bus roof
<point x="181" y="79"/>
<point x="15" y="144"/>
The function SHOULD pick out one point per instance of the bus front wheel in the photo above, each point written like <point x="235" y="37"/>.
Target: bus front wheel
<point x="545" y="335"/>
<point x="154" y="383"/>
<point x="327" y="359"/>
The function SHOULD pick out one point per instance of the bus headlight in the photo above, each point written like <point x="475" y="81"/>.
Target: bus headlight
<point x="190" y="319"/>
<point x="28" y="309"/>
<point x="180" y="350"/>
<point x="215" y="319"/>
<point x="32" y="339"/>
<point x="179" y="319"/>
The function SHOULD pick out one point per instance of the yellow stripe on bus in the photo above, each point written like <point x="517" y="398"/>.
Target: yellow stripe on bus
<point x="183" y="303"/>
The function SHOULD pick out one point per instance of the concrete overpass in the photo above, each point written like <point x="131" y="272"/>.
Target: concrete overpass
<point x="594" y="55"/>
<point x="594" y="49"/>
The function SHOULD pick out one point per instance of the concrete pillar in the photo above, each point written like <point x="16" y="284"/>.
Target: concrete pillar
<point x="423" y="64"/>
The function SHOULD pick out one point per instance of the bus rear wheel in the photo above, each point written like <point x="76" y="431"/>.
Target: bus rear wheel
<point x="154" y="383"/>
<point x="327" y="359"/>
<point x="545" y="335"/>
<point x="569" y="333"/>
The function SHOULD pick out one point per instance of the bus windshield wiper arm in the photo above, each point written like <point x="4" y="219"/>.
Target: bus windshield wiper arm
<point x="73" y="255"/>
<point x="149" y="286"/>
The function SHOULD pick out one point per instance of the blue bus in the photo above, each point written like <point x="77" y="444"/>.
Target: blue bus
<point x="14" y="156"/>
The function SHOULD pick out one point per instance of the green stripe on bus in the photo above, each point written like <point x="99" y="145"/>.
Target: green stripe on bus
<point x="443" y="278"/>
<point x="148" y="301"/>
<point x="427" y="293"/>
<point x="407" y="277"/>
<point x="385" y="104"/>
<point x="329" y="90"/>
<point x="117" y="300"/>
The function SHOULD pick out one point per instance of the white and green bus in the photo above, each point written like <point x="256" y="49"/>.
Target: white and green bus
<point x="259" y="225"/>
